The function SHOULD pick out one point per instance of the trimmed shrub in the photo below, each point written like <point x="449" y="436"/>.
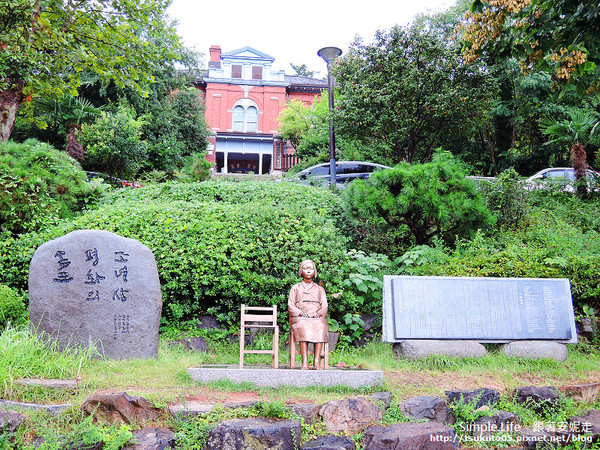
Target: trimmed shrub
<point x="217" y="245"/>
<point x="419" y="203"/>
<point x="12" y="308"/>
<point x="38" y="185"/>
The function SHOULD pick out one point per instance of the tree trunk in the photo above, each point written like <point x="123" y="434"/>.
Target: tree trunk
<point x="491" y="147"/>
<point x="578" y="160"/>
<point x="10" y="101"/>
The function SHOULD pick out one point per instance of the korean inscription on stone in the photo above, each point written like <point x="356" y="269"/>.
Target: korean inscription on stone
<point x="92" y="287"/>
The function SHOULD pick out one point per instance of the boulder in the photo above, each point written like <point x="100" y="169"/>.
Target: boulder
<point x="330" y="442"/>
<point x="160" y="438"/>
<point x="254" y="433"/>
<point x="383" y="398"/>
<point x="587" y="424"/>
<point x="194" y="343"/>
<point x="117" y="408"/>
<point x="537" y="398"/>
<point x="189" y="409"/>
<point x="422" y="348"/>
<point x="411" y="436"/>
<point x="308" y="411"/>
<point x="482" y="396"/>
<point x="10" y="421"/>
<point x="96" y="288"/>
<point x="584" y="393"/>
<point x="208" y="323"/>
<point x="427" y="407"/>
<point x="349" y="415"/>
<point x="51" y="409"/>
<point x="536" y="350"/>
<point x="586" y="327"/>
<point x="530" y="438"/>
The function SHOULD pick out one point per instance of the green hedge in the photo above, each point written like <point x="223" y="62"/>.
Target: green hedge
<point x="217" y="245"/>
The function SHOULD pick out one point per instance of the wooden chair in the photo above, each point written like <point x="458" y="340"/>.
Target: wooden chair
<point x="259" y="317"/>
<point x="293" y="351"/>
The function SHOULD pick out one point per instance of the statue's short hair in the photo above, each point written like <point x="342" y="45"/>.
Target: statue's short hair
<point x="304" y="262"/>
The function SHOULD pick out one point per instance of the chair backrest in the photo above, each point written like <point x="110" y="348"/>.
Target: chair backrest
<point x="259" y="316"/>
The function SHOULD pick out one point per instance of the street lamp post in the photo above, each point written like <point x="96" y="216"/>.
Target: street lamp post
<point x="329" y="54"/>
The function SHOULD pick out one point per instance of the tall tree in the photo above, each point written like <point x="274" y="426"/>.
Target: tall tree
<point x="302" y="69"/>
<point x="46" y="46"/>
<point x="407" y="90"/>
<point x="561" y="37"/>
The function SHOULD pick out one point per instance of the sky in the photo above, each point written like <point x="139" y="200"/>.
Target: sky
<point x="291" y="31"/>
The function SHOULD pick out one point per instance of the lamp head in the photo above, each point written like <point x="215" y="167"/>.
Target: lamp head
<point x="329" y="53"/>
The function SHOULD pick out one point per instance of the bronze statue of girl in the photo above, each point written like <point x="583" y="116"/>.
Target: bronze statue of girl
<point x="307" y="305"/>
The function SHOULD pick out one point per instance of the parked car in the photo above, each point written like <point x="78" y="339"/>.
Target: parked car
<point x="345" y="172"/>
<point x="116" y="182"/>
<point x="562" y="177"/>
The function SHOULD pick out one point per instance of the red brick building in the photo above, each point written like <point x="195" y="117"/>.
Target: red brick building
<point x="244" y="97"/>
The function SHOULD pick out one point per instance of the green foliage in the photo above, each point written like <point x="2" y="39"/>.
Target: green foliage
<point x="12" y="308"/>
<point x="407" y="91"/>
<point x="196" y="167"/>
<point x="71" y="430"/>
<point x="50" y="47"/>
<point x="39" y="184"/>
<point x="507" y="199"/>
<point x="560" y="240"/>
<point x="217" y="244"/>
<point x="425" y="201"/>
<point x="175" y="127"/>
<point x="113" y="144"/>
<point x="27" y="355"/>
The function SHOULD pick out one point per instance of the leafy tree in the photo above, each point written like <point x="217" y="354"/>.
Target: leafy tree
<point x="306" y="127"/>
<point x="424" y="201"/>
<point x="46" y="47"/>
<point x="303" y="70"/>
<point x="175" y="127"/>
<point x="561" y="37"/>
<point x="113" y="144"/>
<point x="408" y="90"/>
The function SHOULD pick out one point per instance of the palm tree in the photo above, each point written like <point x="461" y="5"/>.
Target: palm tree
<point x="578" y="130"/>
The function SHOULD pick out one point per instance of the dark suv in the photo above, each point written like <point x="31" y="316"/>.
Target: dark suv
<point x="346" y="171"/>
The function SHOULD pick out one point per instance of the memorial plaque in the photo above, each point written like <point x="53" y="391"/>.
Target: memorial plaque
<point x="93" y="287"/>
<point x="483" y="309"/>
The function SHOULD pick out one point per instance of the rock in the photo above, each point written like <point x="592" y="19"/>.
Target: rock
<point x="537" y="398"/>
<point x="536" y="350"/>
<point x="254" y="433"/>
<point x="587" y="424"/>
<point x="330" y="442"/>
<point x="152" y="439"/>
<point x="411" y="436"/>
<point x="586" y="327"/>
<point x="194" y="343"/>
<point x="52" y="409"/>
<point x="365" y="340"/>
<point x="584" y="393"/>
<point x="189" y="409"/>
<point x="369" y="321"/>
<point x="308" y="411"/>
<point x="117" y="408"/>
<point x="10" y="421"/>
<point x="246" y="404"/>
<point x="385" y="398"/>
<point x="93" y="287"/>
<point x="499" y="421"/>
<point x="48" y="383"/>
<point x="484" y="396"/>
<point x="349" y="415"/>
<point x="208" y="323"/>
<point x="427" y="407"/>
<point x="530" y="438"/>
<point x="422" y="348"/>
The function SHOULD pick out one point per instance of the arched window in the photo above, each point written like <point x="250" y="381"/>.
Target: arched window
<point x="238" y="118"/>
<point x="251" y="119"/>
<point x="245" y="116"/>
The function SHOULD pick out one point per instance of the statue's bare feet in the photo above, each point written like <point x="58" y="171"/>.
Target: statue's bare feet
<point x="318" y="367"/>
<point x="304" y="366"/>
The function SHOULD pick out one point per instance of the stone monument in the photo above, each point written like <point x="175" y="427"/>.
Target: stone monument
<point x="93" y="287"/>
